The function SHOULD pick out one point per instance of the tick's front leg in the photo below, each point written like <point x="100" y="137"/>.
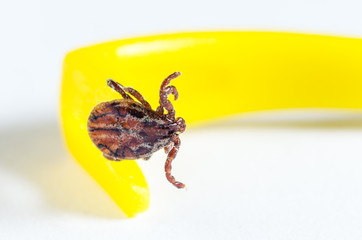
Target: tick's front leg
<point x="171" y="156"/>
<point x="168" y="147"/>
<point x="159" y="110"/>
<point x="164" y="92"/>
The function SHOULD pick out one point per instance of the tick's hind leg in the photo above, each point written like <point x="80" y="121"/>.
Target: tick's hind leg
<point x="171" y="156"/>
<point x="122" y="90"/>
<point x="118" y="87"/>
<point x="109" y="157"/>
<point x="165" y="91"/>
<point x="138" y="96"/>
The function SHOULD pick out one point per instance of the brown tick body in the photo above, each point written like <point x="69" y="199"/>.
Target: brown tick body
<point x="125" y="129"/>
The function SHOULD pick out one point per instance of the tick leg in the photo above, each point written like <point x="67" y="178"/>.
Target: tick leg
<point x="146" y="158"/>
<point x="118" y="87"/>
<point x="109" y="157"/>
<point x="159" y="110"/>
<point x="122" y="90"/>
<point x="165" y="91"/>
<point x="171" y="156"/>
<point x="138" y="96"/>
<point x="168" y="147"/>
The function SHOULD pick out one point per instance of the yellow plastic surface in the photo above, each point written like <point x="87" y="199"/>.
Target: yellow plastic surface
<point x="223" y="73"/>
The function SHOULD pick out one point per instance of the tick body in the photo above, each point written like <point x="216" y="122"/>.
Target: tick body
<point x="125" y="129"/>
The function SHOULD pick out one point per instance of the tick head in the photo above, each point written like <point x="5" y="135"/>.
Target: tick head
<point x="181" y="125"/>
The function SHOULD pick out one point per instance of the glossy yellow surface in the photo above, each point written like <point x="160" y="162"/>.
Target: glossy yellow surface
<point x="223" y="73"/>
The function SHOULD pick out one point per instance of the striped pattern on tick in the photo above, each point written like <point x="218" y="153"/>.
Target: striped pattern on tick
<point x="125" y="129"/>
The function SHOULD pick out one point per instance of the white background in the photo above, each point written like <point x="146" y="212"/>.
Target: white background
<point x="275" y="175"/>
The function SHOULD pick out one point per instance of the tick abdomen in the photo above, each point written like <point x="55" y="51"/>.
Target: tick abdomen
<point x="125" y="129"/>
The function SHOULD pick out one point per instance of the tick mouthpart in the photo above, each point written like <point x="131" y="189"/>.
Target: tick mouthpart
<point x="181" y="125"/>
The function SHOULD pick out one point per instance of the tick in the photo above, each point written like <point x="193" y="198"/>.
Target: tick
<point x="124" y="129"/>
